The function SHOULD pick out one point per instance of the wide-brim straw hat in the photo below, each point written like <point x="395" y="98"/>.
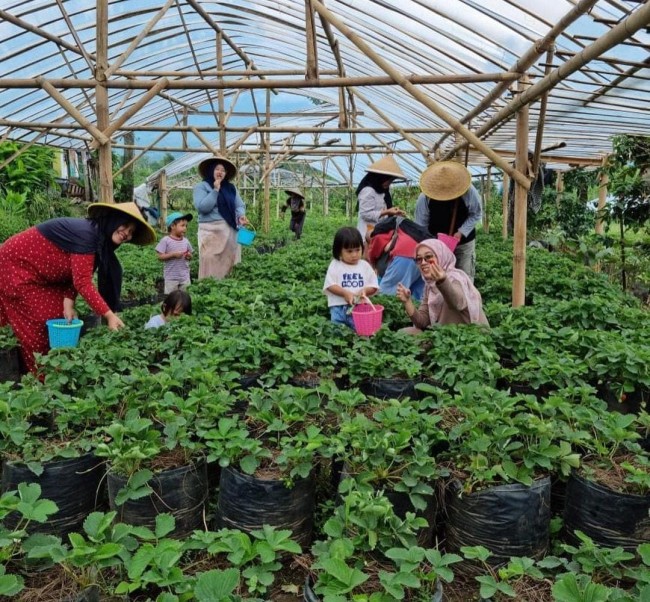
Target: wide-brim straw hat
<point x="144" y="234"/>
<point x="445" y="180"/>
<point x="294" y="192"/>
<point x="387" y="166"/>
<point x="207" y="165"/>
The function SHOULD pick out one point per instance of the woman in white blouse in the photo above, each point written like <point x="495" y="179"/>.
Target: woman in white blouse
<point x="373" y="194"/>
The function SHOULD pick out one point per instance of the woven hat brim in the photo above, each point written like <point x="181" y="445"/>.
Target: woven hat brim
<point x="392" y="174"/>
<point x="445" y="181"/>
<point x="231" y="168"/>
<point x="144" y="233"/>
<point x="294" y="191"/>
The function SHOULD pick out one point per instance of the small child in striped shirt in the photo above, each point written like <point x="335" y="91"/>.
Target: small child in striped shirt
<point x="176" y="251"/>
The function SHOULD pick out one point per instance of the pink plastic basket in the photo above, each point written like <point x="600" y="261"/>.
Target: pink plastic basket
<point x="450" y="241"/>
<point x="367" y="321"/>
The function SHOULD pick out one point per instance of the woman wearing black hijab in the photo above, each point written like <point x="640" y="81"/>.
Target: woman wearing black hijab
<point x="46" y="266"/>
<point x="373" y="194"/>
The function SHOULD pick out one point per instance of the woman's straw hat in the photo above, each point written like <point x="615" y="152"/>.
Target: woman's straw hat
<point x="294" y="192"/>
<point x="207" y="167"/>
<point x="144" y="234"/>
<point x="445" y="180"/>
<point x="387" y="166"/>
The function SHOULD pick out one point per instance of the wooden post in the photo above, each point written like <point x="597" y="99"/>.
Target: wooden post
<point x="163" y="194"/>
<point x="602" y="199"/>
<point x="559" y="188"/>
<point x="102" y="105"/>
<point x="311" y="70"/>
<point x="504" y="205"/>
<point x="266" y="216"/>
<point x="521" y="206"/>
<point x="486" y="202"/>
<point x="220" y="96"/>
<point x="325" y="197"/>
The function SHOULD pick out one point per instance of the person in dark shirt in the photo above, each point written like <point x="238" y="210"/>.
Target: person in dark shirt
<point x="450" y="205"/>
<point x="296" y="204"/>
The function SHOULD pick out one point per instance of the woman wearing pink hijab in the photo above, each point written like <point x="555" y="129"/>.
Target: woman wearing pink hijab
<point x="449" y="297"/>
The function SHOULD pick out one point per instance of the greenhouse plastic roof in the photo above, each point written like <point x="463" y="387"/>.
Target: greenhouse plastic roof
<point x="50" y="54"/>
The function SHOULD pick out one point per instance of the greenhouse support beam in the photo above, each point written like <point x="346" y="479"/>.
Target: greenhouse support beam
<point x="234" y="84"/>
<point x="71" y="110"/>
<point x="602" y="198"/>
<point x="521" y="207"/>
<point x="420" y="96"/>
<point x="505" y="193"/>
<point x="622" y="31"/>
<point x="102" y="106"/>
<point x="526" y="61"/>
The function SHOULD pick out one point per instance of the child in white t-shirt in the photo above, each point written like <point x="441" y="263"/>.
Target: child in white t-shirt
<point x="349" y="278"/>
<point x="176" y="251"/>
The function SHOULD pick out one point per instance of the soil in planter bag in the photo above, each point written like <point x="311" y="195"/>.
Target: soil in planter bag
<point x="73" y="484"/>
<point x="509" y="520"/>
<point x="181" y="492"/>
<point x="610" y="518"/>
<point x="247" y="503"/>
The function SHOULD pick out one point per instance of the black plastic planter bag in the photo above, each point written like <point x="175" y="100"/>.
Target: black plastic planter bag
<point x="509" y="520"/>
<point x="9" y="364"/>
<point x="610" y="518"/>
<point x="247" y="503"/>
<point x="73" y="484"/>
<point x="389" y="388"/>
<point x="181" y="492"/>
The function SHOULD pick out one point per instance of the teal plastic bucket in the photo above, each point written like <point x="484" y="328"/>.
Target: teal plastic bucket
<point x="245" y="237"/>
<point x="63" y="333"/>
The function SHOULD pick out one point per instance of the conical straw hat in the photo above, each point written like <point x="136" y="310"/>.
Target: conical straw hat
<point x="294" y="192"/>
<point x="445" y="180"/>
<point x="207" y="166"/>
<point x="388" y="166"/>
<point x="144" y="234"/>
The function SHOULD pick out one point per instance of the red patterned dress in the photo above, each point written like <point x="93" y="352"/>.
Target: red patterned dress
<point x="36" y="276"/>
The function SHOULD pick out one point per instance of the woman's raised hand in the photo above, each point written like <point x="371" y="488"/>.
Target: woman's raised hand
<point x="403" y="293"/>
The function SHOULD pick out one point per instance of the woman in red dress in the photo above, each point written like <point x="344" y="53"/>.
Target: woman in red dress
<point x="46" y="266"/>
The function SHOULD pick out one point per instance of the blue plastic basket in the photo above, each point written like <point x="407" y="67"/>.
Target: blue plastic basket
<point x="245" y="237"/>
<point x="63" y="333"/>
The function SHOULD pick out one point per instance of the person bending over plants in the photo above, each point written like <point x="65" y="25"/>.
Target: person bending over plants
<point x="450" y="297"/>
<point x="46" y="266"/>
<point x="176" y="303"/>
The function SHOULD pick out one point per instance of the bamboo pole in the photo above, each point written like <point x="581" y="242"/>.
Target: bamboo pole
<point x="504" y="205"/>
<point x="602" y="198"/>
<point x="266" y="218"/>
<point x="390" y="122"/>
<point x="559" y="188"/>
<point x="220" y="96"/>
<point x="136" y="41"/>
<point x="526" y="61"/>
<point x="164" y="196"/>
<point x="102" y="105"/>
<point x="625" y="29"/>
<point x="311" y="64"/>
<point x="140" y="154"/>
<point x="261" y="128"/>
<point x="521" y="208"/>
<point x="542" y="116"/>
<point x="122" y="119"/>
<point x="486" y="203"/>
<point x="70" y="109"/>
<point x="418" y="94"/>
<point x="205" y="141"/>
<point x="233" y="84"/>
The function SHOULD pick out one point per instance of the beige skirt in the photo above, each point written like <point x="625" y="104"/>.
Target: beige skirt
<point x="218" y="249"/>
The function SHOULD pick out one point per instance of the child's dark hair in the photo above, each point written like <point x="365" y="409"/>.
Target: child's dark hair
<point x="177" y="298"/>
<point x="346" y="238"/>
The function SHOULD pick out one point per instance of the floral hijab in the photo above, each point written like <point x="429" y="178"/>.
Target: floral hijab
<point x="447" y="261"/>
